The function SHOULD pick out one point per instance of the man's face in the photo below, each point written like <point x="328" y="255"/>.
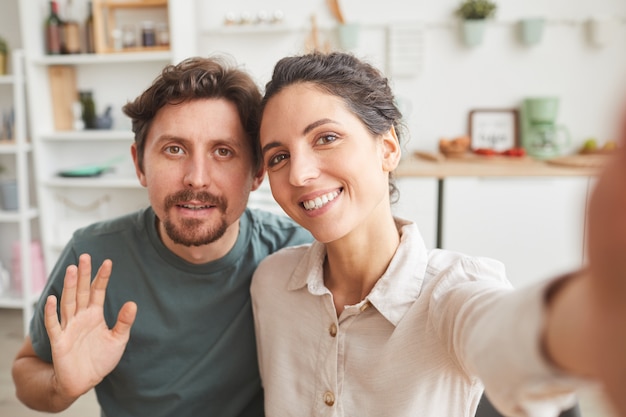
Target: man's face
<point x="198" y="170"/>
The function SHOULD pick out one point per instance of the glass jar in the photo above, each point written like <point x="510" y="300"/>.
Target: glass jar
<point x="148" y="34"/>
<point x="162" y="34"/>
<point x="129" y="37"/>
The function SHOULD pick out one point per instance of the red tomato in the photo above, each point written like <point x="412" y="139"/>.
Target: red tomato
<point x="517" y="152"/>
<point x="484" y="151"/>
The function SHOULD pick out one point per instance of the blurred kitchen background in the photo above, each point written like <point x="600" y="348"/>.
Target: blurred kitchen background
<point x="68" y="167"/>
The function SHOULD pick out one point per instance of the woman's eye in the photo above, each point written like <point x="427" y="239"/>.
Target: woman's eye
<point x="325" y="139"/>
<point x="276" y="159"/>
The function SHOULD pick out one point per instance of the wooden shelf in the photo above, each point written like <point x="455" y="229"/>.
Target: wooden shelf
<point x="104" y="22"/>
<point x="119" y="57"/>
<point x="137" y="4"/>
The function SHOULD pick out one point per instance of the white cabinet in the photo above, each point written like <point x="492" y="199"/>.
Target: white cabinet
<point x="535" y="225"/>
<point x="17" y="224"/>
<point x="418" y="202"/>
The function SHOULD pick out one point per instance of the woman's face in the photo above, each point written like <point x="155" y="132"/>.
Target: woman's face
<point x="326" y="170"/>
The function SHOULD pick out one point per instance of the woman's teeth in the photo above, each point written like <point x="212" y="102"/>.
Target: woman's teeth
<point x="321" y="201"/>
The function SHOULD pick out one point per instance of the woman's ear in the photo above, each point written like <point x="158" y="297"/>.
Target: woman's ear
<point x="391" y="150"/>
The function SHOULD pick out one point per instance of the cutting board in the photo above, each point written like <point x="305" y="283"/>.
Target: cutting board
<point x="64" y="94"/>
<point x="471" y="157"/>
<point x="581" y="161"/>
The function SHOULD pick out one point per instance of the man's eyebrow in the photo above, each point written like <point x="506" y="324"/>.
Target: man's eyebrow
<point x="306" y="130"/>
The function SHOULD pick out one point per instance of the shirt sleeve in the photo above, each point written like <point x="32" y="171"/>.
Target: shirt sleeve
<point x="496" y="333"/>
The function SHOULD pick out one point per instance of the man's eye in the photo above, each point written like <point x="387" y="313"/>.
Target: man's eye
<point x="325" y="139"/>
<point x="223" y="152"/>
<point x="174" y="150"/>
<point x="277" y="159"/>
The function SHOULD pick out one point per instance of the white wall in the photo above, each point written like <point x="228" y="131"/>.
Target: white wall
<point x="452" y="78"/>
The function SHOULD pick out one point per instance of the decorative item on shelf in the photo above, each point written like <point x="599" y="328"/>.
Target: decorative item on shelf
<point x="495" y="129"/>
<point x="531" y="30"/>
<point x="601" y="30"/>
<point x="148" y="34"/>
<point x="312" y="42"/>
<point x="108" y="33"/>
<point x="456" y="147"/>
<point x="7" y="130"/>
<point x="129" y="36"/>
<point x="106" y="120"/>
<point x="70" y="31"/>
<point x="90" y="44"/>
<point x="77" y="214"/>
<point x="347" y="32"/>
<point x="5" y="280"/>
<point x="53" y="30"/>
<point x="38" y="274"/>
<point x="162" y="34"/>
<point x="261" y="17"/>
<point x="4" y="56"/>
<point x="92" y="170"/>
<point x="474" y="14"/>
<point x="88" y="109"/>
<point x="8" y="193"/>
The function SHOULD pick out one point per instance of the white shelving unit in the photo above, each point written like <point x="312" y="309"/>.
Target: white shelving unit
<point x="19" y="225"/>
<point x="114" y="79"/>
<point x="76" y="202"/>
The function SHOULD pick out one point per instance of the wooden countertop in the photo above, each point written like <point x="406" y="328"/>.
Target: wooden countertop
<point x="500" y="166"/>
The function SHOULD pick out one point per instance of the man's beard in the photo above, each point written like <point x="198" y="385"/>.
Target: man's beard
<point x="190" y="231"/>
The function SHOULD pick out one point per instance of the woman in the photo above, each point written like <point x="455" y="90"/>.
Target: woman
<point x="366" y="321"/>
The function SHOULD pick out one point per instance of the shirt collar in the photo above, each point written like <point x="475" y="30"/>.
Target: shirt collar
<point x="396" y="290"/>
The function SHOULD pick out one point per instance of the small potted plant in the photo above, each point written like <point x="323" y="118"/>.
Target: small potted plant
<point x="4" y="55"/>
<point x="474" y="14"/>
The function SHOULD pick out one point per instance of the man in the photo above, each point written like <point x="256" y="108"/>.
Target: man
<point x="183" y="343"/>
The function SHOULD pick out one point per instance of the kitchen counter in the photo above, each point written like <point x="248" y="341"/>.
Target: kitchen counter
<point x="499" y="166"/>
<point x="443" y="170"/>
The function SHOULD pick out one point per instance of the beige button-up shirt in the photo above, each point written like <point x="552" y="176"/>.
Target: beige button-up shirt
<point x="435" y="327"/>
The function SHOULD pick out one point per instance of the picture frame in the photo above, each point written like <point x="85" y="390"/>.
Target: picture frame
<point x="496" y="129"/>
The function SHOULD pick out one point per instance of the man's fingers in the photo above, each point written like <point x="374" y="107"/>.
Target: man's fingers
<point x="51" y="320"/>
<point x="68" y="296"/>
<point x="99" y="286"/>
<point x="125" y="320"/>
<point x="84" y="281"/>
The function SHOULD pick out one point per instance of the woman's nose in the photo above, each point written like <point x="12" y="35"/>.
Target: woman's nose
<point x="302" y="168"/>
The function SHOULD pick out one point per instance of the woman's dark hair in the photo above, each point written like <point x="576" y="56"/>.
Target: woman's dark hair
<point x="198" y="78"/>
<point x="363" y="88"/>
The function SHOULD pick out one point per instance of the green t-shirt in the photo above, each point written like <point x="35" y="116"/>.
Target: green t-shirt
<point x="192" y="349"/>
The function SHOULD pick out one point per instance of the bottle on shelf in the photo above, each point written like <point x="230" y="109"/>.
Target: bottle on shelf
<point x="71" y="31"/>
<point x="89" y="109"/>
<point x="90" y="45"/>
<point x="53" y="28"/>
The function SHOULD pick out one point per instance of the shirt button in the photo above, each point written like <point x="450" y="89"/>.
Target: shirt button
<point x="329" y="398"/>
<point x="333" y="330"/>
<point x="365" y="306"/>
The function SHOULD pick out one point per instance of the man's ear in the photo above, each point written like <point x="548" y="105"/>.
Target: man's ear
<point x="391" y="150"/>
<point x="138" y="169"/>
<point x="258" y="178"/>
